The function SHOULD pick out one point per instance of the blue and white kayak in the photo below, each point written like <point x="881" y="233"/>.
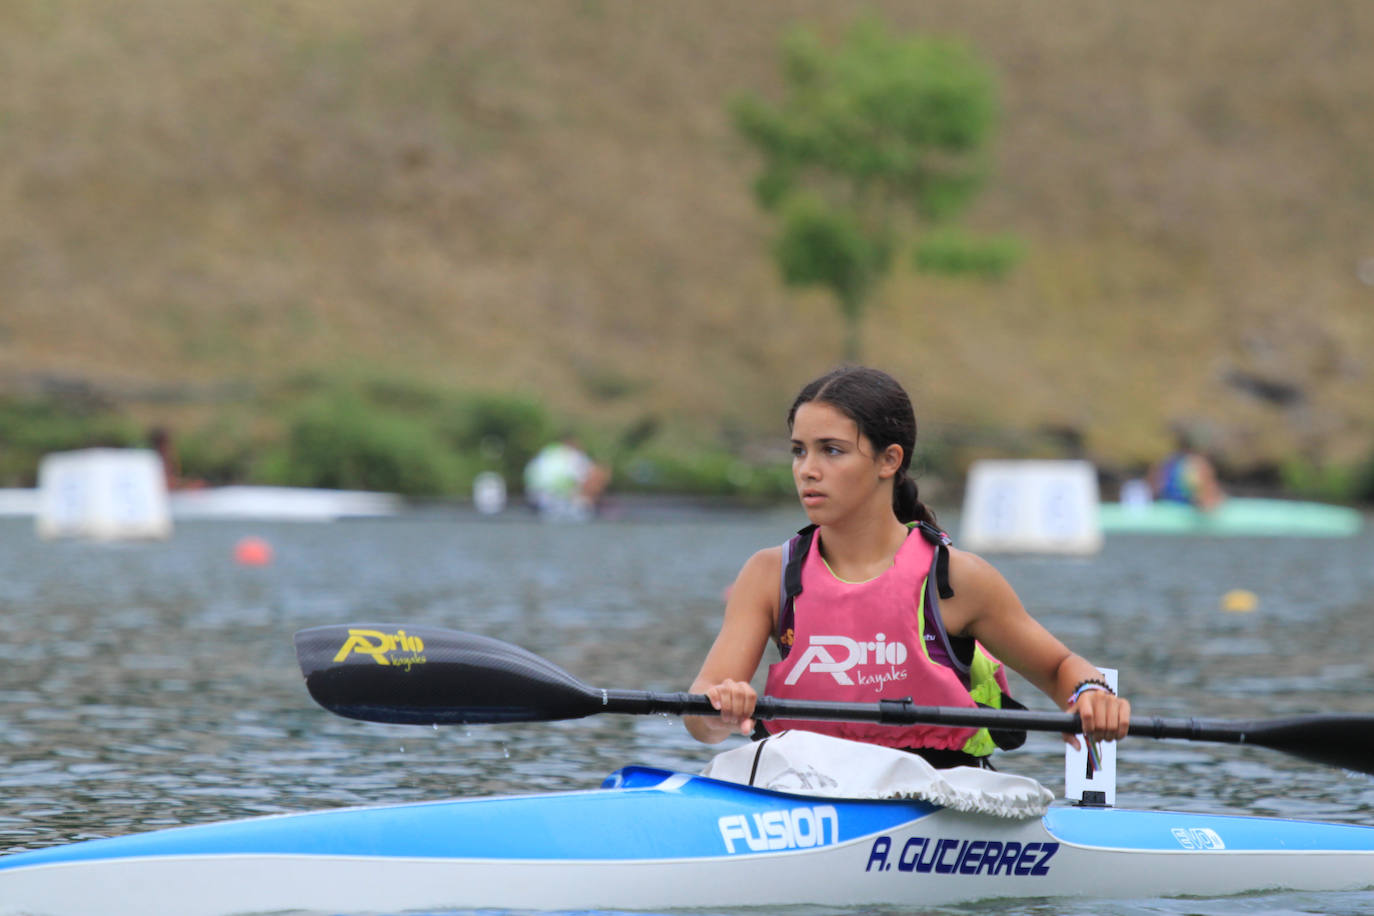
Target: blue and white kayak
<point x="653" y="839"/>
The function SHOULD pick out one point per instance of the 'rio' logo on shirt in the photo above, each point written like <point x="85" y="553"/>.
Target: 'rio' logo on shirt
<point x="818" y="660"/>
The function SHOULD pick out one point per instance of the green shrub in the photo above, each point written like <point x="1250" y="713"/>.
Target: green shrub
<point x="221" y="451"/>
<point x="33" y="427"/>
<point x="497" y="432"/>
<point x="704" y="473"/>
<point x="1330" y="483"/>
<point x="341" y="441"/>
<point x="1362" y="489"/>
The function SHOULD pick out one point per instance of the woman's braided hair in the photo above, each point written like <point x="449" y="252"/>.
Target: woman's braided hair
<point x="880" y="407"/>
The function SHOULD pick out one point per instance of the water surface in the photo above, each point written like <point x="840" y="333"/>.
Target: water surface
<point x="151" y="685"/>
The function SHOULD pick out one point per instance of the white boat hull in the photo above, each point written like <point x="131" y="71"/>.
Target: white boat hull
<point x="664" y="840"/>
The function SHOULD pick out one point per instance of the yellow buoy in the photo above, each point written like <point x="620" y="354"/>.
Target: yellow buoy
<point x="1239" y="600"/>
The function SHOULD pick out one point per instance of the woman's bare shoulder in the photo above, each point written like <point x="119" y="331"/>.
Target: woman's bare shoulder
<point x="751" y="601"/>
<point x="970" y="567"/>
<point x="763" y="566"/>
<point x="978" y="588"/>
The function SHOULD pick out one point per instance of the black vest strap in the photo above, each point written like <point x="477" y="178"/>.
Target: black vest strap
<point x="798" y="547"/>
<point x="941" y="541"/>
<point x="942" y="572"/>
<point x="794" y="555"/>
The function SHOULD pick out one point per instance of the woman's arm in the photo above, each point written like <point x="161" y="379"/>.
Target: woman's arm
<point x="985" y="607"/>
<point x="750" y="612"/>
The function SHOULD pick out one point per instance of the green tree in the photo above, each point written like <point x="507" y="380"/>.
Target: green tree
<point x="876" y="141"/>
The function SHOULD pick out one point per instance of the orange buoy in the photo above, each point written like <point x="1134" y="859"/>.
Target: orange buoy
<point x="252" y="551"/>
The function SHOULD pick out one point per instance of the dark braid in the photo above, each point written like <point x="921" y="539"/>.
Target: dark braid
<point x="880" y="407"/>
<point x="906" y="501"/>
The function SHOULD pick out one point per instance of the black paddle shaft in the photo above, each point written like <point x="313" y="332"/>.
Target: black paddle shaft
<point x="416" y="675"/>
<point x="1336" y="740"/>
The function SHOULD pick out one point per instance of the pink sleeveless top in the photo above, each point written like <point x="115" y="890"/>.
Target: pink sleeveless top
<point x="861" y="642"/>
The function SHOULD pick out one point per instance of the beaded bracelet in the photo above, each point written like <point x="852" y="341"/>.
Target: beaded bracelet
<point x="1089" y="685"/>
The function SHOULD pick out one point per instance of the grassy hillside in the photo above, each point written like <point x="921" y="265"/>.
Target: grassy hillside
<point x="203" y="201"/>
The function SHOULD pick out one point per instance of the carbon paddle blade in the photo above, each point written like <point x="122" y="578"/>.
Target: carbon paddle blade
<point x="415" y="675"/>
<point x="1334" y="739"/>
<point x="1345" y="741"/>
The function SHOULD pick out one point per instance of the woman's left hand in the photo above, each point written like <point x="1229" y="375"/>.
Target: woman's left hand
<point x="1105" y="717"/>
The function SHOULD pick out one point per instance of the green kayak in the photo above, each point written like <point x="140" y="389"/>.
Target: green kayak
<point x="1236" y="517"/>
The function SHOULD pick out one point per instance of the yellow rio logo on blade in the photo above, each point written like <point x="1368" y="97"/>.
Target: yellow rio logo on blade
<point x="385" y="648"/>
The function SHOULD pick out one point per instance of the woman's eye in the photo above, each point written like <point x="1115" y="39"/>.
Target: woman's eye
<point x="798" y="451"/>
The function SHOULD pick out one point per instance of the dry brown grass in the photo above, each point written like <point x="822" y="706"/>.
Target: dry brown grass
<point x="549" y="197"/>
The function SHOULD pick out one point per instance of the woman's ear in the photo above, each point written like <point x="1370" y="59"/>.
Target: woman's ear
<point x="890" y="461"/>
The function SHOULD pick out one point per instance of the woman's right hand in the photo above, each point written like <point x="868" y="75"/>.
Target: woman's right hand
<point x="734" y="658"/>
<point x="735" y="700"/>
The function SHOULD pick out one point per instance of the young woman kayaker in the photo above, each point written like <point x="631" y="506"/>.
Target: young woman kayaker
<point x="871" y="602"/>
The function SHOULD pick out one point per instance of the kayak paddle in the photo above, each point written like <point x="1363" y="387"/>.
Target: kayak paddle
<point x="418" y="675"/>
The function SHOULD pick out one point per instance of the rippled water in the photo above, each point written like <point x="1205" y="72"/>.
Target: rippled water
<point x="150" y="685"/>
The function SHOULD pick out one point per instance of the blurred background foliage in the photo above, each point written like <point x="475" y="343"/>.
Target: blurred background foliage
<point x="381" y="433"/>
<point x="225" y="218"/>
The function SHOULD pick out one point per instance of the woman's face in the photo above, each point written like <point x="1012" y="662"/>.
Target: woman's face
<point x="834" y="467"/>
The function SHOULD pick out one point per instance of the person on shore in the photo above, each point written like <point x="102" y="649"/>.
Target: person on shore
<point x="562" y="481"/>
<point x="160" y="438"/>
<point x="1186" y="476"/>
<point x="871" y="601"/>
